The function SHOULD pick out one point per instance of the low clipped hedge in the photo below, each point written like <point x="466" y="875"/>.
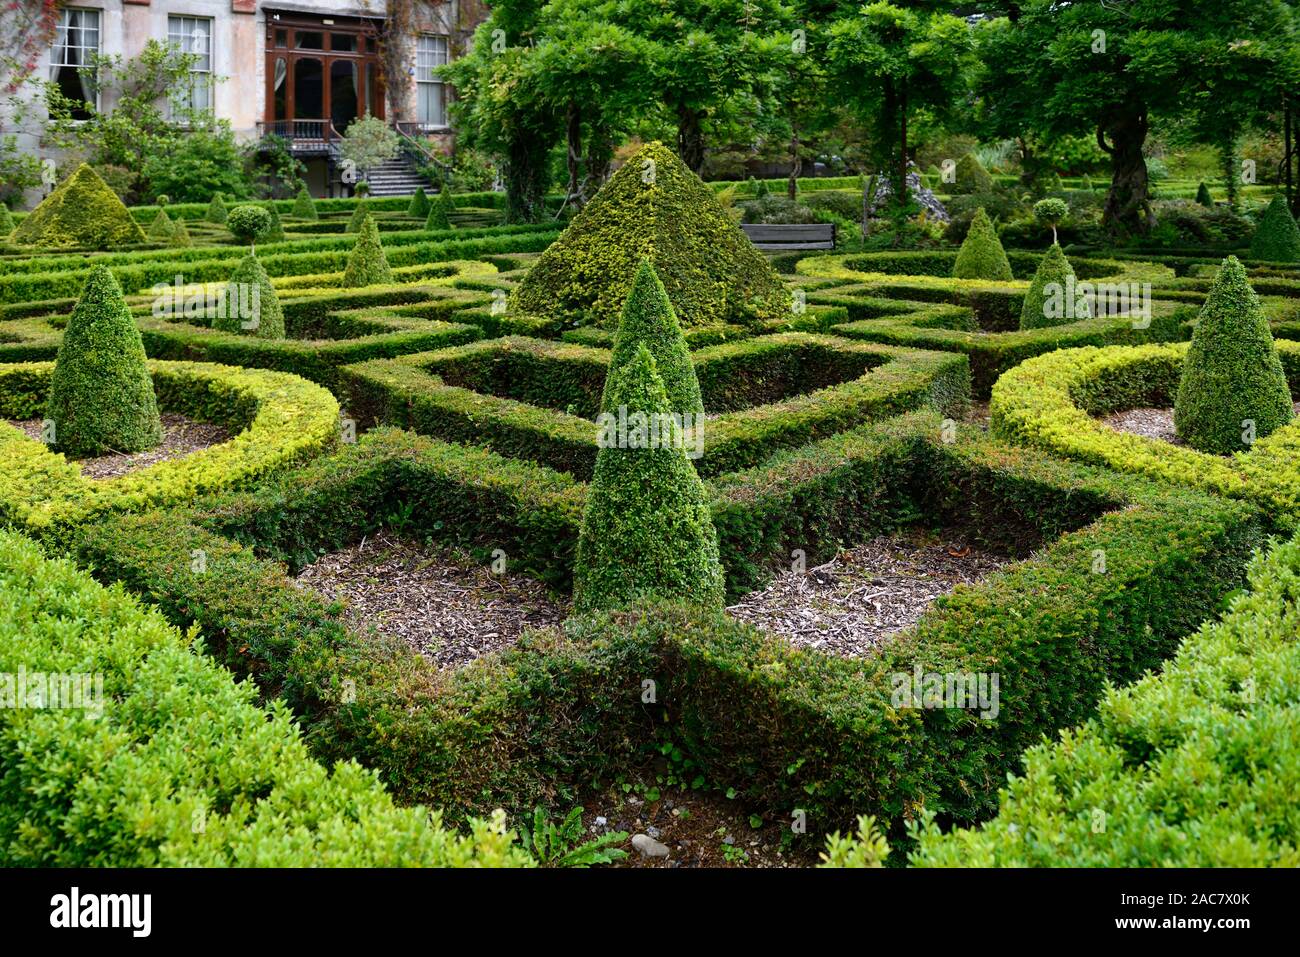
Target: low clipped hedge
<point x="1049" y="402"/>
<point x="1197" y="766"/>
<point x="280" y="419"/>
<point x="788" y="729"/>
<point x="438" y="394"/>
<point x="173" y="764"/>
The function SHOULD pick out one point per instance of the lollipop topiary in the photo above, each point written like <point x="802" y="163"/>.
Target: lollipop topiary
<point x="248" y="223"/>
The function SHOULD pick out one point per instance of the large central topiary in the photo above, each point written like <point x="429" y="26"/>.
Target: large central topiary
<point x="653" y="208"/>
<point x="82" y="212"/>
<point x="1233" y="389"/>
<point x="101" y="393"/>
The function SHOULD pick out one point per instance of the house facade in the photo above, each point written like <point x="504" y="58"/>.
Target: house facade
<point x="302" y="69"/>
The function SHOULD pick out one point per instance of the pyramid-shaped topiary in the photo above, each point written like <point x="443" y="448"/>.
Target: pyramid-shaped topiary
<point x="418" y="207"/>
<point x="647" y="529"/>
<point x="367" y="264"/>
<point x="1203" y="196"/>
<point x="359" y="213"/>
<point x="653" y="208"/>
<point x="275" y="232"/>
<point x="1277" y="237"/>
<point x="1051" y="287"/>
<point x="217" y="211"/>
<point x="101" y="395"/>
<point x="304" y="207"/>
<point x="82" y="212"/>
<point x="648" y="320"/>
<point x="251" y="306"/>
<point x="1233" y="389"/>
<point x="440" y="211"/>
<point x="981" y="255"/>
<point x="971" y="176"/>
<point x="162" y="227"/>
<point x="180" y="235"/>
<point x="6" y="221"/>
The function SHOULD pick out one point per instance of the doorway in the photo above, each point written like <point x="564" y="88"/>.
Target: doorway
<point x="322" y="73"/>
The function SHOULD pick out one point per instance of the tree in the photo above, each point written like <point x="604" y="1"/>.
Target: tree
<point x="367" y="142"/>
<point x="1106" y="69"/>
<point x="890" y="63"/>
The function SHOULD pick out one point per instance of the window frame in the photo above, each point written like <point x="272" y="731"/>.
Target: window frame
<point x="184" y="100"/>
<point x="431" y="80"/>
<point x="61" y="29"/>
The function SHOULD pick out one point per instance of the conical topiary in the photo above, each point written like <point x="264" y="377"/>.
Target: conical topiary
<point x="653" y="208"/>
<point x="304" y="207"/>
<point x="981" y="255"/>
<point x="180" y="235"/>
<point x="217" y="211"/>
<point x="367" y="264"/>
<point x="1203" y="196"/>
<point x="275" y="232"/>
<point x="647" y="529"/>
<point x="6" y="221"/>
<point x="359" y="213"/>
<point x="648" y="320"/>
<point x="101" y="394"/>
<point x="251" y="306"/>
<point x="1277" y="238"/>
<point x="440" y="211"/>
<point x="1051" y="286"/>
<point x="161" y="228"/>
<point x="81" y="212"/>
<point x="1232" y="390"/>
<point x="418" y="207"/>
<point x="971" y="176"/>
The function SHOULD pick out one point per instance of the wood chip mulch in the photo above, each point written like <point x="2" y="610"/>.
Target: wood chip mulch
<point x="1149" y="423"/>
<point x="447" y="607"/>
<point x="852" y="604"/>
<point x="181" y="436"/>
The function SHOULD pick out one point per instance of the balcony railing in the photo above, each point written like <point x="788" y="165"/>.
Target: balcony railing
<point x="304" y="136"/>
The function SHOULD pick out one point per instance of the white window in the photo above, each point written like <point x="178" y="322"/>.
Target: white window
<point x="193" y="35"/>
<point x="431" y="105"/>
<point x="76" y="43"/>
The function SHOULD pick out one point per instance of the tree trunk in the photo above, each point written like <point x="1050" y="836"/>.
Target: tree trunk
<point x="573" y="134"/>
<point x="1128" y="203"/>
<point x="1228" y="157"/>
<point x="796" y="165"/>
<point x="690" y="138"/>
<point x="600" y="154"/>
<point x="525" y="176"/>
<point x="902" y="194"/>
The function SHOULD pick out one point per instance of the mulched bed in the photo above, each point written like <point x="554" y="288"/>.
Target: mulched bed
<point x="181" y="436"/>
<point x="853" y="603"/>
<point x="444" y="605"/>
<point x="1150" y="423"/>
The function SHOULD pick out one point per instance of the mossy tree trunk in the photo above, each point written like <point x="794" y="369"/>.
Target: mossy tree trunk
<point x="1128" y="204"/>
<point x="573" y="157"/>
<point x="690" y="137"/>
<point x="525" y="176"/>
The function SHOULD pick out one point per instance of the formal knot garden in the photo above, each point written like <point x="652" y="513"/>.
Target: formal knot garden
<point x="394" y="535"/>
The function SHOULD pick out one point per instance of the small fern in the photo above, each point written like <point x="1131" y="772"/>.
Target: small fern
<point x="562" y="845"/>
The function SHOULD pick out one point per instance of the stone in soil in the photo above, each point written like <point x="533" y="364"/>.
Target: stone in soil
<point x="181" y="436"/>
<point x="440" y="602"/>
<point x="852" y="604"/>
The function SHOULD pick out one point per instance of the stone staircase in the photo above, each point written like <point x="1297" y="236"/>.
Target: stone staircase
<point x="397" y="177"/>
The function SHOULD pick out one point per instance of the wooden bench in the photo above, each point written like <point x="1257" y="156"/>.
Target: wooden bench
<point x="790" y="237"/>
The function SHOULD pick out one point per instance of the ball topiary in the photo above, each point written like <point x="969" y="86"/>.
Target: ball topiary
<point x="653" y="208"/>
<point x="971" y="176"/>
<point x="217" y="210"/>
<point x="304" y="207"/>
<point x="6" y="221"/>
<point x="248" y="223"/>
<point x="418" y="207"/>
<point x="367" y="264"/>
<point x="1232" y="390"/>
<point x="981" y="255"/>
<point x="1051" y="211"/>
<point x="440" y="211"/>
<point x="81" y="212"/>
<point x="251" y="306"/>
<point x="180" y="237"/>
<point x="359" y="213"/>
<point x="647" y="528"/>
<point x="1053" y="269"/>
<point x="1203" y="196"/>
<point x="101" y="395"/>
<point x="275" y="230"/>
<point x="162" y="200"/>
<point x="1277" y="238"/>
<point x="648" y="320"/>
<point x="162" y="227"/>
